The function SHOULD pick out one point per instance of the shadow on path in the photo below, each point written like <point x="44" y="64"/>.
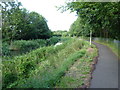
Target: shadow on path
<point x="106" y="73"/>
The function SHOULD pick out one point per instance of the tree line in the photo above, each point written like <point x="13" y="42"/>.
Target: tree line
<point x="18" y="23"/>
<point x="101" y="18"/>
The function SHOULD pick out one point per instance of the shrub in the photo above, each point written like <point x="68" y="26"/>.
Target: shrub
<point x="5" y="49"/>
<point x="53" y="40"/>
<point x="64" y="39"/>
<point x="41" y="42"/>
<point x="19" y="47"/>
<point x="9" y="78"/>
<point x="23" y="45"/>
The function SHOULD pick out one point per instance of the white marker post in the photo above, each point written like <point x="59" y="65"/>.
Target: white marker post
<point x="90" y="36"/>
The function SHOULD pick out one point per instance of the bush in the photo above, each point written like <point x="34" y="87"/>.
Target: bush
<point x="5" y="49"/>
<point x="19" y="47"/>
<point x="64" y="39"/>
<point x="41" y="42"/>
<point x="9" y="78"/>
<point x="23" y="45"/>
<point x="53" y="40"/>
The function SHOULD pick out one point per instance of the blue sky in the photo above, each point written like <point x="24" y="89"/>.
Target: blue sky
<point x="56" y="19"/>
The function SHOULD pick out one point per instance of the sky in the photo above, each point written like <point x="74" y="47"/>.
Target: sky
<point x="56" y="19"/>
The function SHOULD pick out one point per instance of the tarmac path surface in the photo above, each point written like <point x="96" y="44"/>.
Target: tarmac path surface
<point x="106" y="73"/>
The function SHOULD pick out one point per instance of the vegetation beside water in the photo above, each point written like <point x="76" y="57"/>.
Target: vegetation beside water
<point x="44" y="66"/>
<point x="18" y="47"/>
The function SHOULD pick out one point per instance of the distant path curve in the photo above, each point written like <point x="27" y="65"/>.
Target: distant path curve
<point x="106" y="73"/>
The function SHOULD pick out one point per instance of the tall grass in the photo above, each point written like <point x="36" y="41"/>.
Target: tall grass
<point x="42" y="67"/>
<point x="79" y="73"/>
<point x="20" y="66"/>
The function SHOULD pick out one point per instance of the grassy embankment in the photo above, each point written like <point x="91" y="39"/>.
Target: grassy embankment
<point x="79" y="74"/>
<point x="45" y="67"/>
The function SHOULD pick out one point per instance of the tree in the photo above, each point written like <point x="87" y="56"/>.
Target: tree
<point x="102" y="18"/>
<point x="36" y="27"/>
<point x="79" y="28"/>
<point x="10" y="20"/>
<point x="18" y="23"/>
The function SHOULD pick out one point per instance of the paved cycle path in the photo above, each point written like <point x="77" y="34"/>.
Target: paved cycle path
<point x="106" y="73"/>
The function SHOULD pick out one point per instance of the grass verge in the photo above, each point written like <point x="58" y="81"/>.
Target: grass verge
<point x="112" y="46"/>
<point x="79" y="75"/>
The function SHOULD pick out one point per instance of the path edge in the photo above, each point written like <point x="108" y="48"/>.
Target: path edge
<point x="93" y="65"/>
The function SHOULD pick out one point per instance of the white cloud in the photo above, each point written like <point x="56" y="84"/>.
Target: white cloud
<point x="56" y="19"/>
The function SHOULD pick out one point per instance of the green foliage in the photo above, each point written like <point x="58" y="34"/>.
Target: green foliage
<point x="53" y="40"/>
<point x="102" y="18"/>
<point x="37" y="27"/>
<point x="77" y="75"/>
<point x="21" y="66"/>
<point x="10" y="78"/>
<point x="60" y="33"/>
<point x="56" y="66"/>
<point x="5" y="49"/>
<point x="110" y="43"/>
<point x="19" y="24"/>
<point x="43" y="67"/>
<point x="64" y="39"/>
<point x="10" y="14"/>
<point x="41" y="42"/>
<point x="24" y="45"/>
<point x="79" y="28"/>
<point x="19" y="47"/>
